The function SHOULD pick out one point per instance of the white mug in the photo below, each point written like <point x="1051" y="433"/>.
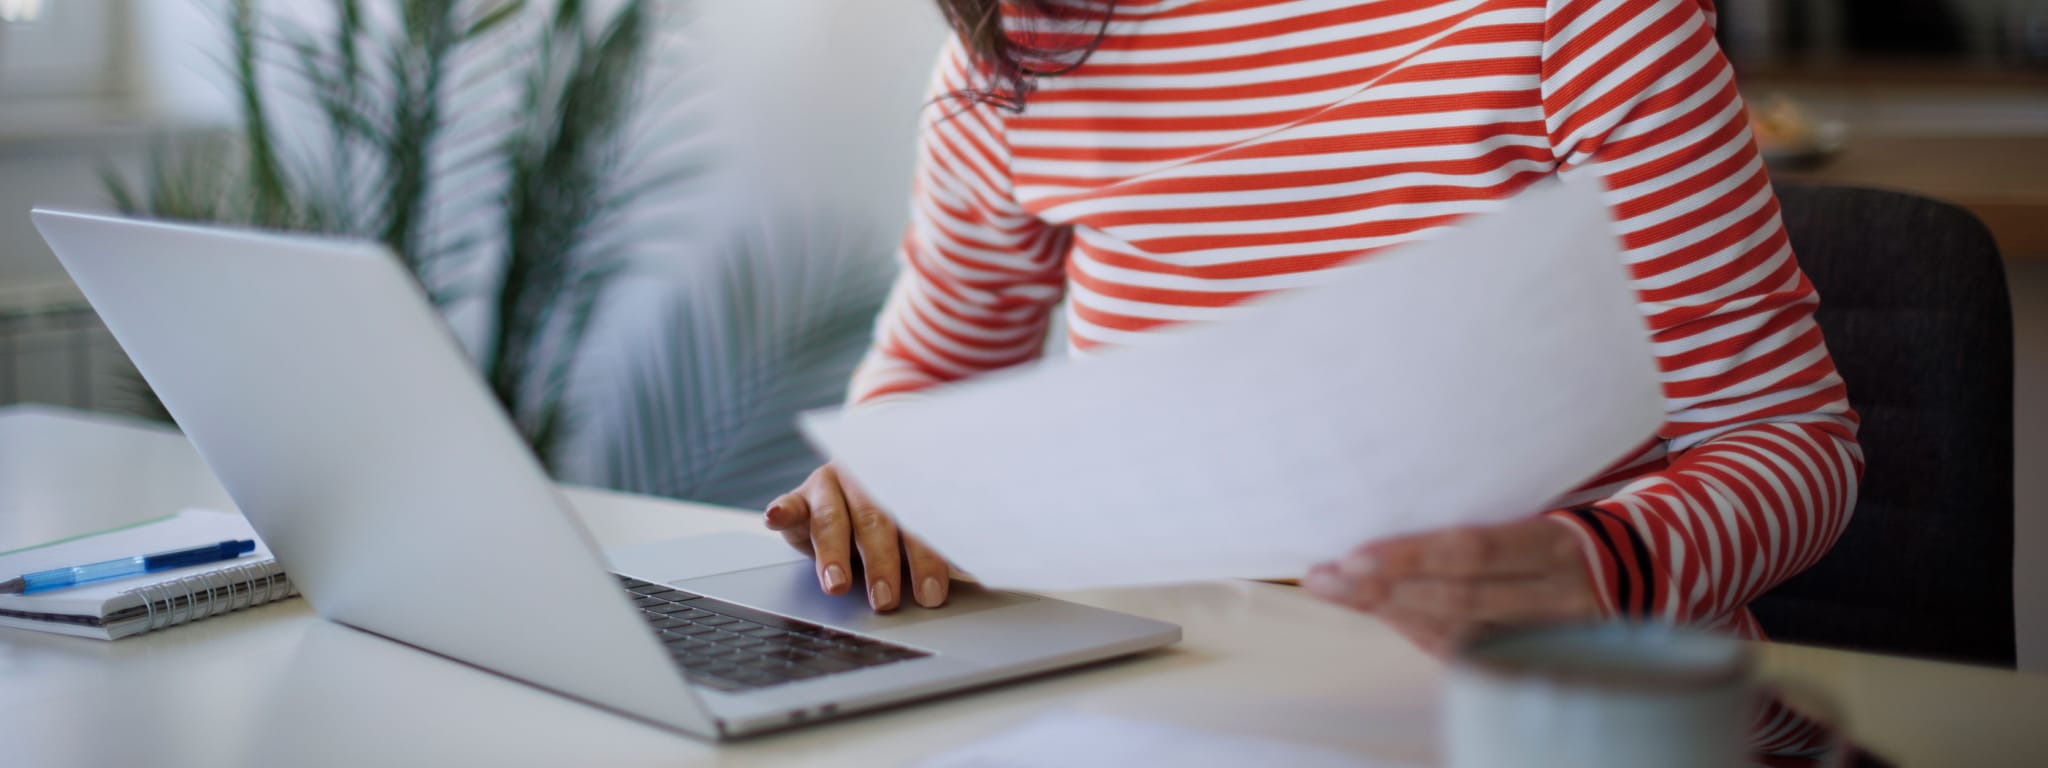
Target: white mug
<point x="1613" y="695"/>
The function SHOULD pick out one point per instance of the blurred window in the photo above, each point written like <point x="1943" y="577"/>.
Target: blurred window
<point x="56" y="50"/>
<point x="20" y="11"/>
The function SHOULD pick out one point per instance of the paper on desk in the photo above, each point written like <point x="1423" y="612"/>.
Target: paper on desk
<point x="1074" y="740"/>
<point x="1471" y="378"/>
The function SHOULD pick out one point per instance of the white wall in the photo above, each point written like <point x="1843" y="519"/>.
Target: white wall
<point x="92" y="83"/>
<point x="820" y="100"/>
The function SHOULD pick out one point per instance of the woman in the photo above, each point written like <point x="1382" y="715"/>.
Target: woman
<point x="1193" y="155"/>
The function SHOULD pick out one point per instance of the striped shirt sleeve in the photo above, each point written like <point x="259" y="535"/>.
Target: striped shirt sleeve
<point x="981" y="275"/>
<point x="1761" y="443"/>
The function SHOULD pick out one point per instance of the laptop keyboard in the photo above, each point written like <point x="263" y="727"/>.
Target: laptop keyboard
<point x="733" y="648"/>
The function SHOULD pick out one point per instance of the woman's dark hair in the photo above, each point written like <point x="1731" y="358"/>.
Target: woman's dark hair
<point x="1044" y="38"/>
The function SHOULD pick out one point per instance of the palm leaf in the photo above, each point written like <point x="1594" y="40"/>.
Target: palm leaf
<point x="561" y="165"/>
<point x="704" y="406"/>
<point x="270" y="193"/>
<point x="506" y="158"/>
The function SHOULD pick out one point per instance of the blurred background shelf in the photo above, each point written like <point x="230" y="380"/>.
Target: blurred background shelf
<point x="1972" y="134"/>
<point x="2002" y="179"/>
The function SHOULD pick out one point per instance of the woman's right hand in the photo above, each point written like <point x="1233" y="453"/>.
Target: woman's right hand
<point x="830" y="518"/>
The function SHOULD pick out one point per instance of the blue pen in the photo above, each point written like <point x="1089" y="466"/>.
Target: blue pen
<point x="59" y="578"/>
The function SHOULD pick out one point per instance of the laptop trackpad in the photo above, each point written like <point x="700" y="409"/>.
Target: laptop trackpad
<point x="792" y="589"/>
<point x="766" y="573"/>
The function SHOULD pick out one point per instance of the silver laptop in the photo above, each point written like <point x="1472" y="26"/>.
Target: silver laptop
<point x="347" y="423"/>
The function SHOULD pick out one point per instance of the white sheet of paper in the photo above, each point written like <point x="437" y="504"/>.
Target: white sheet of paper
<point x="1077" y="740"/>
<point x="1471" y="378"/>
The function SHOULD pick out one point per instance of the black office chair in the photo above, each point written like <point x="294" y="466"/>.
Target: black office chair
<point x="1916" y="314"/>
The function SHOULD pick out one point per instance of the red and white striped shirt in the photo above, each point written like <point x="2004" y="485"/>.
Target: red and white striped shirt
<point x="1210" y="152"/>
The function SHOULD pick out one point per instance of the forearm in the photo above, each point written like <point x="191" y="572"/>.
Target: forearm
<point x="1724" y="523"/>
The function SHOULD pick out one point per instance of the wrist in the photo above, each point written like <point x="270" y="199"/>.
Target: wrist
<point x="1618" y="563"/>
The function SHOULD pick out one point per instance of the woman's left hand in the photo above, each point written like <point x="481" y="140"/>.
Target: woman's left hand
<point x="1440" y="589"/>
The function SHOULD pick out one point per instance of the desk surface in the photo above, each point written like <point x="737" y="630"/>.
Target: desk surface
<point x="276" y="685"/>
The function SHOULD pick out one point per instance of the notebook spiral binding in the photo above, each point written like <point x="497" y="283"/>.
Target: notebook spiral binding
<point x="204" y="595"/>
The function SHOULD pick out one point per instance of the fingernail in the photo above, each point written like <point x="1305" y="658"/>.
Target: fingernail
<point x="883" y="596"/>
<point x="774" y="511"/>
<point x="835" y="577"/>
<point x="928" y="594"/>
<point x="1321" y="583"/>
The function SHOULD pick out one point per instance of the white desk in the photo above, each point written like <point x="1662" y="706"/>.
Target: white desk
<point x="278" y="686"/>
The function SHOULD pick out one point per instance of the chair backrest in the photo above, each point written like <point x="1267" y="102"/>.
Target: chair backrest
<point x="1915" y="311"/>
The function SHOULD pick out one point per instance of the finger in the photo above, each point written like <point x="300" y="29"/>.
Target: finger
<point x="790" y="516"/>
<point x="799" y="539"/>
<point x="1499" y="601"/>
<point x="1324" y="581"/>
<point x="928" y="573"/>
<point x="1528" y="547"/>
<point x="787" y="511"/>
<point x="1334" y="583"/>
<point x="830" y="531"/>
<point x="881" y="548"/>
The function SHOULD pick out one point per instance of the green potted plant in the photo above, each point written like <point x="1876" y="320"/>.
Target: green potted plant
<point x="545" y="181"/>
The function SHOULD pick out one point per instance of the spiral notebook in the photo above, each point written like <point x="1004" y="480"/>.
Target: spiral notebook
<point x="114" y="609"/>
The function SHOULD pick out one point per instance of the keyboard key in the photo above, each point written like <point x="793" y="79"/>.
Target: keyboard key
<point x="855" y="658"/>
<point x="728" y="647"/>
<point x="828" y="664"/>
<point x="803" y="672"/>
<point x="721" y="638"/>
<point x="749" y="614"/>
